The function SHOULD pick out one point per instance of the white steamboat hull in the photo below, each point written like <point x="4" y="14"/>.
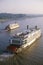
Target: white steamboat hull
<point x="32" y="37"/>
<point x="13" y="26"/>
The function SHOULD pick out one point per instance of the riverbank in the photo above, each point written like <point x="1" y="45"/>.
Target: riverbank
<point x="3" y="20"/>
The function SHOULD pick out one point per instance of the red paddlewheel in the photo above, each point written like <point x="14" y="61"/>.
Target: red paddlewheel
<point x="12" y="48"/>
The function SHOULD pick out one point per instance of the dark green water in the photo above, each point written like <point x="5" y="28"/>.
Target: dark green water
<point x="30" y="56"/>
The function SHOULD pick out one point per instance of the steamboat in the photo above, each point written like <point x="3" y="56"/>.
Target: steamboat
<point x="12" y="26"/>
<point x="21" y="40"/>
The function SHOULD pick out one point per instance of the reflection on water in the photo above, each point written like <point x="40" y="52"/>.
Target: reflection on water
<point x="30" y="56"/>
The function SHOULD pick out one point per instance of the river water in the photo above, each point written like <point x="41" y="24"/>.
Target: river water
<point x="30" y="56"/>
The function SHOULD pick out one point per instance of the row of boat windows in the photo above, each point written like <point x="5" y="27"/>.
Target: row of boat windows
<point x="18" y="42"/>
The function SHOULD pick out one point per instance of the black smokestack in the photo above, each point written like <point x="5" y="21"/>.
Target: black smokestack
<point x="27" y="26"/>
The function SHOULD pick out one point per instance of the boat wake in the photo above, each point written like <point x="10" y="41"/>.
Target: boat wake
<point x="5" y="56"/>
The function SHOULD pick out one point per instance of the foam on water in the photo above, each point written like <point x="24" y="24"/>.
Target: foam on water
<point x="5" y="56"/>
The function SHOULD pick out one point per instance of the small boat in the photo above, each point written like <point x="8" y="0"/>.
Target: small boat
<point x="12" y="26"/>
<point x="21" y="40"/>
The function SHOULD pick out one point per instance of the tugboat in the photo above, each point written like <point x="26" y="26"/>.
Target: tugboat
<point x="12" y="26"/>
<point x="23" y="39"/>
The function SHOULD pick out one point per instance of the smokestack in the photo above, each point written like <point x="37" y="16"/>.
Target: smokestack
<point x="36" y="27"/>
<point x="27" y="27"/>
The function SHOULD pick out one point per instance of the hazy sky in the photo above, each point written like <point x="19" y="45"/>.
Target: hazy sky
<point x="21" y="6"/>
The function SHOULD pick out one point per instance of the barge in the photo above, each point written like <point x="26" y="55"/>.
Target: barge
<point x="21" y="40"/>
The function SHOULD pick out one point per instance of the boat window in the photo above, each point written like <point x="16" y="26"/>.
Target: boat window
<point x="15" y="41"/>
<point x="25" y="41"/>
